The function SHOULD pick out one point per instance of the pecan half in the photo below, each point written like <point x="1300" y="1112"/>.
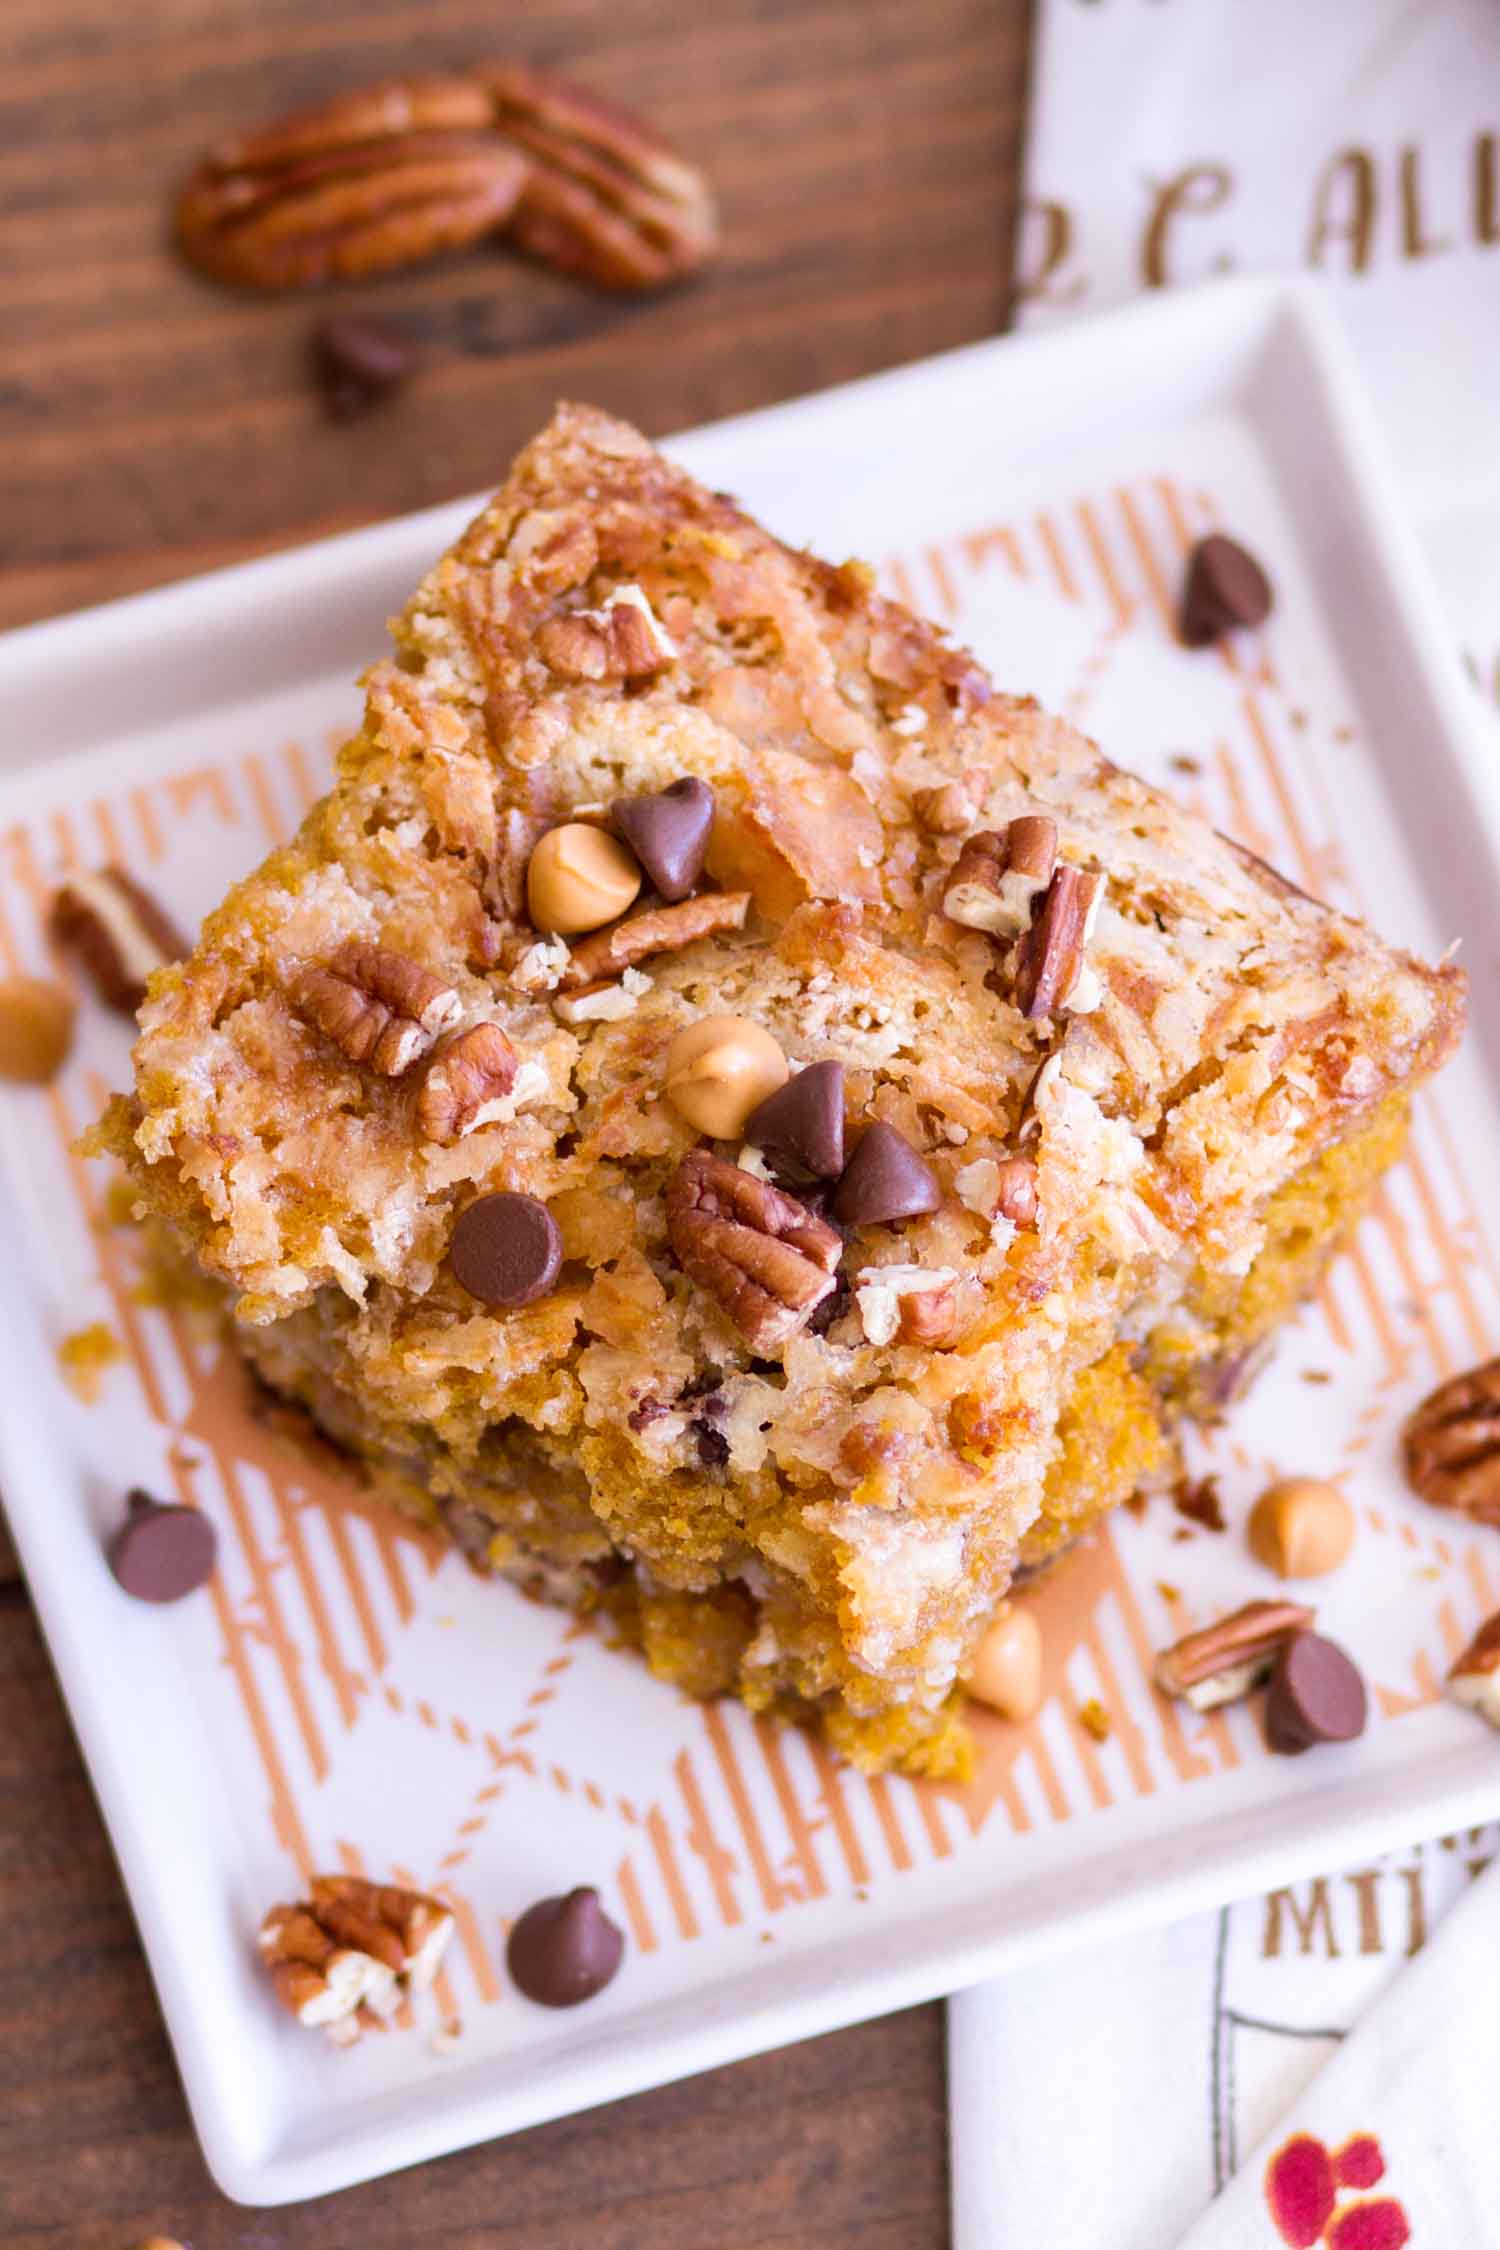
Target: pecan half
<point x="1475" y="1678"/>
<point x="996" y="879"/>
<point x="377" y="1006"/>
<point x="1226" y="1660"/>
<point x="463" y="1079"/>
<point x="622" y="640"/>
<point x="118" y="932"/>
<point x="1451" y="1445"/>
<point x="605" y="197"/>
<point x="366" y="184"/>
<point x="1049" y="970"/>
<point x="395" y="173"/>
<point x="352" y="1946"/>
<point x="661" y="929"/>
<point x="759" y="1253"/>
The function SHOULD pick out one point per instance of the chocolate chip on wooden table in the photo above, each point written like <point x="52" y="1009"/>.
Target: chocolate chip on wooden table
<point x="804" y="1120"/>
<point x="668" y="832"/>
<point x="1225" y="588"/>
<point x="161" y="1552"/>
<point x="359" y="362"/>
<point x="506" y="1249"/>
<point x="1316" y="1695"/>
<point x="564" y="1950"/>
<point x="885" y="1179"/>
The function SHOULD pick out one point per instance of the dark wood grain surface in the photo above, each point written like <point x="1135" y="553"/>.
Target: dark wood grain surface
<point x="867" y="154"/>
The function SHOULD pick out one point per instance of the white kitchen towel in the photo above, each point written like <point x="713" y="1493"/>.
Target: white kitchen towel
<point x="1174" y="139"/>
<point x="1108" y="2097"/>
<point x="1395" y="2141"/>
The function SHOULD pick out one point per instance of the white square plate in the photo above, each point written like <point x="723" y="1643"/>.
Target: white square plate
<point x="344" y="1696"/>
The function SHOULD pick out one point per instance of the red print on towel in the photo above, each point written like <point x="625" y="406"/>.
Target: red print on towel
<point x="1304" y="2181"/>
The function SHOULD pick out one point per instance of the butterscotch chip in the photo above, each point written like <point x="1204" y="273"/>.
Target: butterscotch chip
<point x="1006" y="1673"/>
<point x="579" y="879"/>
<point x="719" y="1070"/>
<point x="36" y="1029"/>
<point x="1301" y="1528"/>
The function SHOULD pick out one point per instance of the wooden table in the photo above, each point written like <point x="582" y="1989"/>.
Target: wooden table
<point x="867" y="155"/>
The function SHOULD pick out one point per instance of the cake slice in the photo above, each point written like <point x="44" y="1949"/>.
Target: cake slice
<point x="737" y="1122"/>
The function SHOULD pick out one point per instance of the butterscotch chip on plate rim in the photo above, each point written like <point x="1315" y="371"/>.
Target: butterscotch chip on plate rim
<point x="36" y="1029"/>
<point x="1090" y="1164"/>
<point x="1301" y="1527"/>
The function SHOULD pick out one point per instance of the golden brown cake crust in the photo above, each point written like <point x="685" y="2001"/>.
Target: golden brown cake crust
<point x="866" y="1493"/>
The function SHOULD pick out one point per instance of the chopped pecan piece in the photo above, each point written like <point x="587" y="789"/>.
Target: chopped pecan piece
<point x="996" y="879"/>
<point x="352" y="1946"/>
<point x="463" y="1079"/>
<point x="1050" y="973"/>
<point x="947" y="809"/>
<point x="1475" y="1678"/>
<point x="1015" y="1191"/>
<point x="912" y="1304"/>
<point x="1451" y="1445"/>
<point x="118" y="932"/>
<point x="661" y="929"/>
<point x="1226" y="1660"/>
<point x="377" y="1006"/>
<point x="929" y="1317"/>
<point x="758" y="1252"/>
<point x="605" y="197"/>
<point x="622" y="640"/>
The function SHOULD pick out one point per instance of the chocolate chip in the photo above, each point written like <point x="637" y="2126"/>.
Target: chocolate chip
<point x="824" y="1315"/>
<point x="804" y="1120"/>
<point x="669" y="833"/>
<point x="1316" y="1695"/>
<point x="1225" y="588"/>
<point x="359" y="362"/>
<point x="506" y="1249"/>
<point x="564" y="1950"/>
<point x="161" y="1552"/>
<point x="713" y="1446"/>
<point x="707" y="1381"/>
<point x="650" y="1410"/>
<point x="885" y="1179"/>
